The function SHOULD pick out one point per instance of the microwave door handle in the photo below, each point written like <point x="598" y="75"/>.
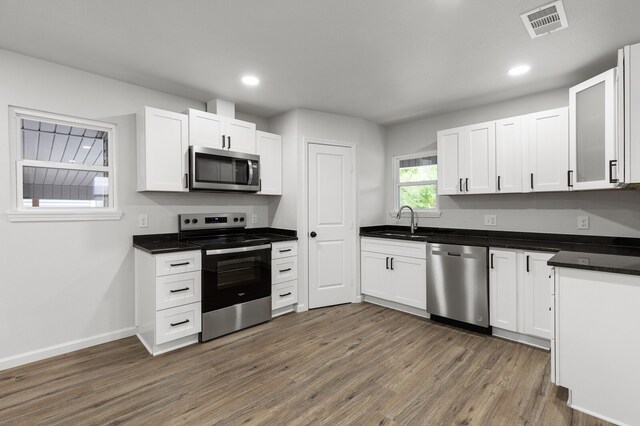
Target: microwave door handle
<point x="250" y="163"/>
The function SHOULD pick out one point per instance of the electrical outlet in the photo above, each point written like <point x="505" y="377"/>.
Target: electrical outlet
<point x="143" y="221"/>
<point x="254" y="218"/>
<point x="583" y="222"/>
<point x="490" y="220"/>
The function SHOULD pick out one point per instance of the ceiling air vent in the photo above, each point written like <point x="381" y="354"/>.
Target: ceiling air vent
<point x="545" y="19"/>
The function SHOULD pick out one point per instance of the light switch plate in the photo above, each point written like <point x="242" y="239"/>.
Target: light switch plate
<point x="254" y="218"/>
<point x="490" y="220"/>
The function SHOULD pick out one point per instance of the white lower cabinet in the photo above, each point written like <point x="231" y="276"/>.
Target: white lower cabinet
<point x="395" y="271"/>
<point x="168" y="299"/>
<point x="284" y="277"/>
<point x="597" y="342"/>
<point x="521" y="295"/>
<point x="538" y="295"/>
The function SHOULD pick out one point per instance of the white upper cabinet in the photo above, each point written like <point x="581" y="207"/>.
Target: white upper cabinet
<point x="219" y="132"/>
<point x="206" y="129"/>
<point x="593" y="158"/>
<point x="162" y="151"/>
<point x="479" y="159"/>
<point x="466" y="160"/>
<point x="269" y="148"/>
<point x="241" y="135"/>
<point x="449" y="142"/>
<point x="509" y="155"/>
<point x="546" y="144"/>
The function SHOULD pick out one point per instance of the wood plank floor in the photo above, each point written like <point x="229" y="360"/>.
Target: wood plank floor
<point x="351" y="364"/>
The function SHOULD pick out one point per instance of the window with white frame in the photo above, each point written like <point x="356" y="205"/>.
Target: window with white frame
<point x="63" y="167"/>
<point x="416" y="181"/>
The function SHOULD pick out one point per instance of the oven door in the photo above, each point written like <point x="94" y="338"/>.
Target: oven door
<point x="235" y="275"/>
<point x="222" y="170"/>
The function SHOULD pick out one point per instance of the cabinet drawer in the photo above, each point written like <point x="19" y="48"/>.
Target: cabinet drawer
<point x="394" y="247"/>
<point x="176" y="263"/>
<point x="284" y="294"/>
<point x="284" y="249"/>
<point x="177" y="290"/>
<point x="285" y="269"/>
<point x="174" y="323"/>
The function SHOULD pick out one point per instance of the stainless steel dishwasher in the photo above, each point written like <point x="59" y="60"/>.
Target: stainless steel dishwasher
<point x="457" y="284"/>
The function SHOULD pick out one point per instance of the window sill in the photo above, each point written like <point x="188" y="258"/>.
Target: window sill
<point x="58" y="216"/>
<point x="418" y="213"/>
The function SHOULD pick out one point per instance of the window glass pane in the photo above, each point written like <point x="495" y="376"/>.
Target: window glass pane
<point x="418" y="169"/>
<point x="63" y="144"/>
<point x="419" y="196"/>
<point x="64" y="188"/>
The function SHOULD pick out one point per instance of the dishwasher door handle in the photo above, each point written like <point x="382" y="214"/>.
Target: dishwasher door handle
<point x="450" y="253"/>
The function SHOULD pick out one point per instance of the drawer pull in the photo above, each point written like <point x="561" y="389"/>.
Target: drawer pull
<point x="179" y="290"/>
<point x="173" y="324"/>
<point x="286" y="294"/>
<point x="180" y="264"/>
<point x="285" y="270"/>
<point x="284" y="251"/>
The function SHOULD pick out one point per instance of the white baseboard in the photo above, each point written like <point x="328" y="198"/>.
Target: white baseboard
<point x="522" y="338"/>
<point x="397" y="306"/>
<point x="301" y="308"/>
<point x="357" y="299"/>
<point x="63" y="348"/>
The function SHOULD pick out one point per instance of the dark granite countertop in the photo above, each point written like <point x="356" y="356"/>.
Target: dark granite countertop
<point x="169" y="243"/>
<point x="161" y="243"/>
<point x="510" y="240"/>
<point x="597" y="262"/>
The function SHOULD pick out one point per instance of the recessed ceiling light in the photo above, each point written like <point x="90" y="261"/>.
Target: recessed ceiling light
<point x="72" y="161"/>
<point x="250" y="80"/>
<point x="86" y="146"/>
<point x="519" y="70"/>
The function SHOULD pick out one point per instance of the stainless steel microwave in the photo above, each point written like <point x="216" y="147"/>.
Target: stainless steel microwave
<point x="222" y="170"/>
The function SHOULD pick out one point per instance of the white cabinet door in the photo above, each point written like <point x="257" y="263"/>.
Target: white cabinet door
<point x="547" y="151"/>
<point x="241" y="135"/>
<point x="162" y="151"/>
<point x="478" y="159"/>
<point x="206" y="129"/>
<point x="509" y="155"/>
<point x="449" y="179"/>
<point x="269" y="148"/>
<point x="592" y="138"/>
<point x="409" y="281"/>
<point x="503" y="289"/>
<point x="538" y="290"/>
<point x="374" y="274"/>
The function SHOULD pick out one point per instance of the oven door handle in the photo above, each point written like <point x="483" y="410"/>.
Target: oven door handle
<point x="238" y="249"/>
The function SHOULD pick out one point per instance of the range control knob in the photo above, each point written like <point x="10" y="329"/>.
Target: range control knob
<point x="242" y="219"/>
<point x="195" y="221"/>
<point x="235" y="219"/>
<point x="187" y="221"/>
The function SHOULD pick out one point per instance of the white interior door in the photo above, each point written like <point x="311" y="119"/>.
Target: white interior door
<point x="331" y="224"/>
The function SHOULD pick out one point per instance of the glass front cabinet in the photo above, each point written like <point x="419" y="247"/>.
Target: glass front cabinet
<point x="592" y="135"/>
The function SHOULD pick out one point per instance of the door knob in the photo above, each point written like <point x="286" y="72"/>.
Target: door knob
<point x="313" y="234"/>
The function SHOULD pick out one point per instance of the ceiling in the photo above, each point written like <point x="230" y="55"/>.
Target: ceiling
<point x="385" y="61"/>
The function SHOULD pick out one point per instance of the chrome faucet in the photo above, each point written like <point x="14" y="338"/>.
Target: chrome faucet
<point x="414" y="225"/>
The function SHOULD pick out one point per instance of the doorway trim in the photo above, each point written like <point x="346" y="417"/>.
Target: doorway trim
<point x="303" y="220"/>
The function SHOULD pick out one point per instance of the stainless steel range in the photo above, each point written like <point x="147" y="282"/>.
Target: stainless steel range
<point x="236" y="272"/>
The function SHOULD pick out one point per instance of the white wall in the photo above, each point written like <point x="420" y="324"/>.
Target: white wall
<point x="73" y="281"/>
<point x="296" y="127"/>
<point x="611" y="212"/>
